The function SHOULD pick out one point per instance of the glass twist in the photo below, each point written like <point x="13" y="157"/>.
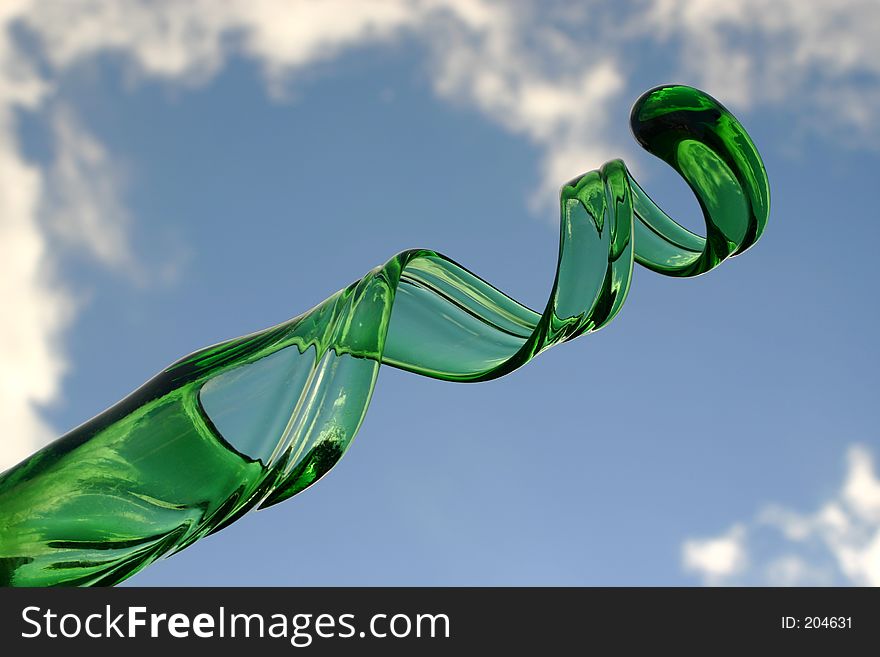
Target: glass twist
<point x="253" y="421"/>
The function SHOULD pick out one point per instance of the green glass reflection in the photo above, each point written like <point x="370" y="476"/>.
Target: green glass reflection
<point x="255" y="420"/>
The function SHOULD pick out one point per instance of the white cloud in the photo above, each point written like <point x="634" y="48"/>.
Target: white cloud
<point x="719" y="558"/>
<point x="554" y="90"/>
<point x="84" y="209"/>
<point x="793" y="570"/>
<point x="82" y="204"/>
<point x="804" y="54"/>
<point x="838" y="542"/>
<point x="35" y="310"/>
<point x="548" y="72"/>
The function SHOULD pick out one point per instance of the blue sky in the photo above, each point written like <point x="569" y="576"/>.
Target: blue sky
<point x="180" y="173"/>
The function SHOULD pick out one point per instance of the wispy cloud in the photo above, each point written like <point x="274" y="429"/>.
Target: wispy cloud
<point x="839" y="542"/>
<point x="83" y="205"/>
<point x="821" y="60"/>
<point x="717" y="559"/>
<point x="536" y="80"/>
<point x="36" y="310"/>
<point x="545" y="71"/>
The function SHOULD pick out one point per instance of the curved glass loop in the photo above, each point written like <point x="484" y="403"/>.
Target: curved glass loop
<point x="255" y="420"/>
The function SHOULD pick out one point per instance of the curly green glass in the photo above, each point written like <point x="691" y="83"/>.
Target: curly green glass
<point x="255" y="420"/>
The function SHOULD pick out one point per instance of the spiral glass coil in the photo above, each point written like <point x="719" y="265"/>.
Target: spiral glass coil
<point x="252" y="421"/>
